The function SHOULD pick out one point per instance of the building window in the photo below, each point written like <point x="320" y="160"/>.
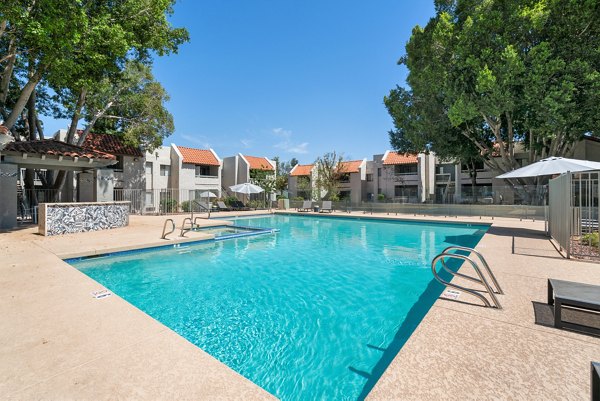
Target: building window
<point x="405" y="169"/>
<point x="149" y="168"/>
<point x="369" y="177"/>
<point x="202" y="170"/>
<point x="345" y="177"/>
<point x="379" y="172"/>
<point x="409" y="191"/>
<point x="344" y="195"/>
<point x="165" y="170"/>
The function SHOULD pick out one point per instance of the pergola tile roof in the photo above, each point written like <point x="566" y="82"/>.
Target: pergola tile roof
<point x="259" y="163"/>
<point x="55" y="148"/>
<point x="198" y="156"/>
<point x="302" y="170"/>
<point x="400" y="158"/>
<point x="109" y="144"/>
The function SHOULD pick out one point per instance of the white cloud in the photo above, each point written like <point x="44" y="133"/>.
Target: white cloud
<point x="197" y="140"/>
<point x="247" y="143"/>
<point x="286" y="144"/>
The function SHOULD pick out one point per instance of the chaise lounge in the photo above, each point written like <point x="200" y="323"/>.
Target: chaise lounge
<point x="306" y="206"/>
<point x="223" y="207"/>
<point x="326" y="207"/>
<point x="573" y="295"/>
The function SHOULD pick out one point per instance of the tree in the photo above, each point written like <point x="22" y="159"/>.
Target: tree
<point x="87" y="53"/>
<point x="283" y="172"/>
<point x="497" y="74"/>
<point x="74" y="46"/>
<point x="329" y="172"/>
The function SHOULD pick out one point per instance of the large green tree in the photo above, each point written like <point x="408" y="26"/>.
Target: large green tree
<point x="498" y="73"/>
<point x="95" y="57"/>
<point x="74" y="46"/>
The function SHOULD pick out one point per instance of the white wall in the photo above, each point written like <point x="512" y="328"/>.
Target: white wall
<point x="160" y="156"/>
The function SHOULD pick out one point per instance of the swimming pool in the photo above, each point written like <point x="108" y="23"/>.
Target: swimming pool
<point x="315" y="311"/>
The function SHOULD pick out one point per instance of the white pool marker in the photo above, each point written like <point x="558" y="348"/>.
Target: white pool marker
<point x="451" y="294"/>
<point x="101" y="294"/>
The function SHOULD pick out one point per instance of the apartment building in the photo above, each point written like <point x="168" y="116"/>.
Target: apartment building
<point x="240" y="169"/>
<point x="400" y="177"/>
<point x="301" y="181"/>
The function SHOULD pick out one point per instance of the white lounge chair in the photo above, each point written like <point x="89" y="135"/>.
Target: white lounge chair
<point x="326" y="207"/>
<point x="306" y="206"/>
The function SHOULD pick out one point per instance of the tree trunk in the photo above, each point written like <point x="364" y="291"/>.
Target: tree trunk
<point x="30" y="187"/>
<point x="31" y="116"/>
<point x="473" y="174"/>
<point x="22" y="101"/>
<point x="76" y="115"/>
<point x="7" y="75"/>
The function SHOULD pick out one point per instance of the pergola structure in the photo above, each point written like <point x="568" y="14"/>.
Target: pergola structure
<point x="46" y="154"/>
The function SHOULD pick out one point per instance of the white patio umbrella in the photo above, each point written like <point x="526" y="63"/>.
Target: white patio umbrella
<point x="207" y="195"/>
<point x="246" y="188"/>
<point x="551" y="166"/>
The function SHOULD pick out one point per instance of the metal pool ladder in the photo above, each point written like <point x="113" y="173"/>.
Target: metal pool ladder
<point x="164" y="234"/>
<point x="481" y="279"/>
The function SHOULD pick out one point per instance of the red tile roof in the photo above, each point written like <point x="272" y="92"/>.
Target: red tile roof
<point x="55" y="148"/>
<point x="198" y="156"/>
<point x="302" y="170"/>
<point x="350" y="166"/>
<point x="259" y="163"/>
<point x="109" y="144"/>
<point x="400" y="158"/>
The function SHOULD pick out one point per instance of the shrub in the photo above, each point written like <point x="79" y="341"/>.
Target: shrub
<point x="185" y="206"/>
<point x="591" y="239"/>
<point x="228" y="200"/>
<point x="380" y="197"/>
<point x="297" y="198"/>
<point x="168" y="205"/>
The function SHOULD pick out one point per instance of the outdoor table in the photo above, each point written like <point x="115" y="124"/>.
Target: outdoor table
<point x="316" y="209"/>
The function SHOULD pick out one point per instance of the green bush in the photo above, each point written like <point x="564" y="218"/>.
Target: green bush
<point x="297" y="198"/>
<point x="590" y="239"/>
<point x="168" y="205"/>
<point x="185" y="206"/>
<point x="281" y="197"/>
<point x="228" y="200"/>
<point x="380" y="197"/>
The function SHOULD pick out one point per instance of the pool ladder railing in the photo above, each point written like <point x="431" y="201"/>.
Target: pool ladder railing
<point x="185" y="229"/>
<point x="164" y="233"/>
<point x="203" y="209"/>
<point x="480" y="279"/>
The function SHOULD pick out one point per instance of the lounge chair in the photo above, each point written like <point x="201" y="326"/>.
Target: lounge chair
<point x="576" y="295"/>
<point x="326" y="207"/>
<point x="239" y="205"/>
<point x="223" y="207"/>
<point x="306" y="206"/>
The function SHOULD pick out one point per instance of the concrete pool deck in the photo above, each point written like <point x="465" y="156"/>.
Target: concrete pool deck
<point x="58" y="342"/>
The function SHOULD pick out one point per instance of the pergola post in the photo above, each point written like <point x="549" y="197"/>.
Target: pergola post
<point x="8" y="195"/>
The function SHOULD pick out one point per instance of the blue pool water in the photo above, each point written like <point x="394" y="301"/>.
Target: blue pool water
<point x="315" y="311"/>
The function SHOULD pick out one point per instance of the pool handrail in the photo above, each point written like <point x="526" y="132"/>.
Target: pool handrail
<point x="185" y="230"/>
<point x="164" y="235"/>
<point x="481" y="280"/>
<point x="497" y="288"/>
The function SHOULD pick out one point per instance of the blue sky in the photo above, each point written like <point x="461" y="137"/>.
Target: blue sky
<point x="286" y="78"/>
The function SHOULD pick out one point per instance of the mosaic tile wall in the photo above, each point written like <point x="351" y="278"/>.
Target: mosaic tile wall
<point x="63" y="219"/>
